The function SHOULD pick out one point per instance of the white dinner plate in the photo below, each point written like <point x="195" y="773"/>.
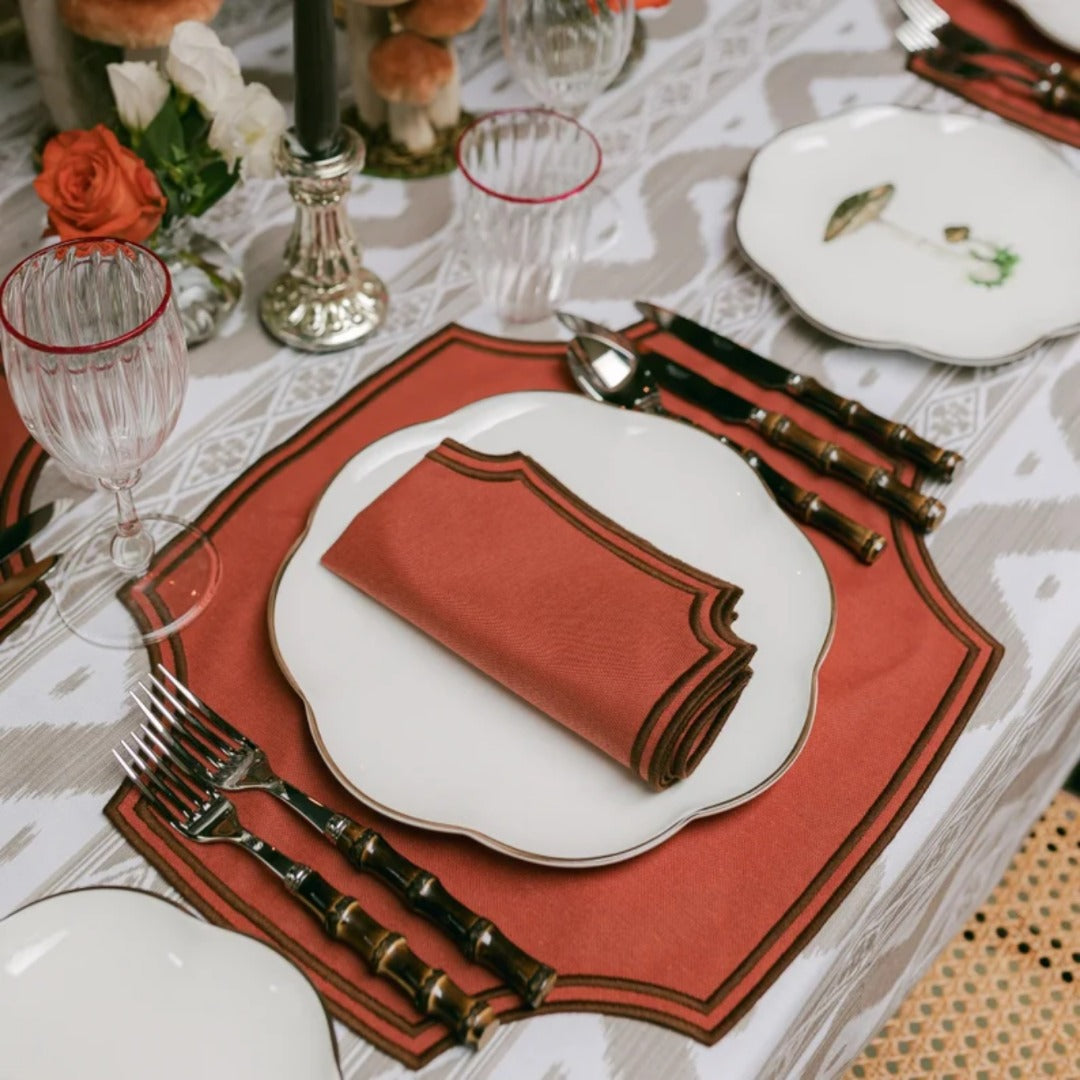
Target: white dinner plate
<point x="949" y="236"/>
<point x="1057" y="19"/>
<point x="419" y="734"/>
<point x="116" y="984"/>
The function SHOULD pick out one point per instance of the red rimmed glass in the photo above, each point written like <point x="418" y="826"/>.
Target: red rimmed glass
<point x="94" y="352"/>
<point x="526" y="207"/>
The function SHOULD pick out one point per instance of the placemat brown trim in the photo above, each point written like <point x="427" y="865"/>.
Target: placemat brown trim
<point x="114" y="815"/>
<point x="16" y="492"/>
<point x="230" y="500"/>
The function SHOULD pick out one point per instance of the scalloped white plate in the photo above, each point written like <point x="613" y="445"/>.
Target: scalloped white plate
<point x="892" y="278"/>
<point x="116" y="984"/>
<point x="422" y="736"/>
<point x="1057" y="19"/>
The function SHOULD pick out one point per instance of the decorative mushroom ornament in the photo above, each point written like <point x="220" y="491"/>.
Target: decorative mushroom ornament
<point x="134" y="24"/>
<point x="404" y="70"/>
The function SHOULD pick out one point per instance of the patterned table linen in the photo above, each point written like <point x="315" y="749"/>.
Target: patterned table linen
<point x="719" y="79"/>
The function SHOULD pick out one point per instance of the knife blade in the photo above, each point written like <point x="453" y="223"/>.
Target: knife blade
<point x="13" y="587"/>
<point x="14" y="536"/>
<point x="896" y="438"/>
<point x="923" y="511"/>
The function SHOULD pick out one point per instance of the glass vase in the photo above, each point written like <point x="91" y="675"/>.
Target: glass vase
<point x="207" y="282"/>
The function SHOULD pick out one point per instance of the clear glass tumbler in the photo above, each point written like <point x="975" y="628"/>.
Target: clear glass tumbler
<point x="94" y="352"/>
<point x="527" y="207"/>
<point x="566" y="52"/>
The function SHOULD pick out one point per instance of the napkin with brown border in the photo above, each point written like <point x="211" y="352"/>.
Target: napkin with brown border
<point x="491" y="555"/>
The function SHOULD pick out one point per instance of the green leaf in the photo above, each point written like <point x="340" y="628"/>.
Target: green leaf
<point x="1003" y="258"/>
<point x="213" y="182"/>
<point x="174" y="196"/>
<point x="163" y="140"/>
<point x="194" y="125"/>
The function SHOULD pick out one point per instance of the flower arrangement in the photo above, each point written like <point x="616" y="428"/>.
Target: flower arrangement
<point x="185" y="137"/>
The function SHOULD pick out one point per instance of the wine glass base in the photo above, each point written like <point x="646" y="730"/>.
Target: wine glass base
<point x="87" y="585"/>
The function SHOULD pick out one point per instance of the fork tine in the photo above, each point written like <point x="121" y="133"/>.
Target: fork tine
<point x="152" y="774"/>
<point x="179" y="731"/>
<point x="184" y="722"/>
<point x="150" y="783"/>
<point x="915" y="38"/>
<point x="155" y="738"/>
<point x="164" y="764"/>
<point x="216" y="717"/>
<point x="188" y="764"/>
<point x="928" y="13"/>
<point x="147" y="794"/>
<point x="195" y="721"/>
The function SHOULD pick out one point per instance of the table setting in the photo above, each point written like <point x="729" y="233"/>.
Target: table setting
<point x="535" y="537"/>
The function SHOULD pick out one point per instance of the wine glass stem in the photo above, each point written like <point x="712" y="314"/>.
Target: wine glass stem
<point x="132" y="547"/>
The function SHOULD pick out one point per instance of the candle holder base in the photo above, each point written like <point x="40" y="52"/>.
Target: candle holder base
<point x="313" y="319"/>
<point x="326" y="299"/>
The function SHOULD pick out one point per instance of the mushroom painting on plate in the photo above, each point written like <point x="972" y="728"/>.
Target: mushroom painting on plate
<point x="994" y="264"/>
<point x="404" y="70"/>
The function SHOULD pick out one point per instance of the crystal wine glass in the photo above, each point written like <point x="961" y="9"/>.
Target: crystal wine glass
<point x="566" y="52"/>
<point x="94" y="352"/>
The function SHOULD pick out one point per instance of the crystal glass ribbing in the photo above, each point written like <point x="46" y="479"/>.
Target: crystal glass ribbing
<point x="94" y="353"/>
<point x="526" y="207"/>
<point x="566" y="52"/>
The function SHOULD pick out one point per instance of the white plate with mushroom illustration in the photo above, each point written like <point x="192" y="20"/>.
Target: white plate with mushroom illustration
<point x="948" y="236"/>
<point x="1057" y="19"/>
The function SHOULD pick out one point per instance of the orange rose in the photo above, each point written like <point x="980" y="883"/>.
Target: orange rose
<point x="93" y="186"/>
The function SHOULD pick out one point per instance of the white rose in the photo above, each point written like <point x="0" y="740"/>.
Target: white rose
<point x="201" y="66"/>
<point x="139" y="90"/>
<point x="247" y="128"/>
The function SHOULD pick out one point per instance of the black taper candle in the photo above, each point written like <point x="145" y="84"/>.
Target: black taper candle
<point x="317" y="120"/>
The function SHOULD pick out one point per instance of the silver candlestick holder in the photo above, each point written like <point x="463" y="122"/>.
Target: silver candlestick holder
<point x="326" y="299"/>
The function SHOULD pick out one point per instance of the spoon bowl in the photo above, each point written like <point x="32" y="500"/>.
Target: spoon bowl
<point x="606" y="367"/>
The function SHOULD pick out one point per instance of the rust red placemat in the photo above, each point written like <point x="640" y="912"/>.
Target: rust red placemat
<point x="688" y="934"/>
<point x="21" y="460"/>
<point x="1001" y="24"/>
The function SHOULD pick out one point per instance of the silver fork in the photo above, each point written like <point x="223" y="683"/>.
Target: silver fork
<point x="916" y="38"/>
<point x="222" y="757"/>
<point x="1060" y="96"/>
<point x="932" y="17"/>
<point x="208" y="817"/>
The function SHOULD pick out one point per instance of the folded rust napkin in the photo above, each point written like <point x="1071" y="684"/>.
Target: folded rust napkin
<point x="492" y="556"/>
<point x="1003" y="25"/>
